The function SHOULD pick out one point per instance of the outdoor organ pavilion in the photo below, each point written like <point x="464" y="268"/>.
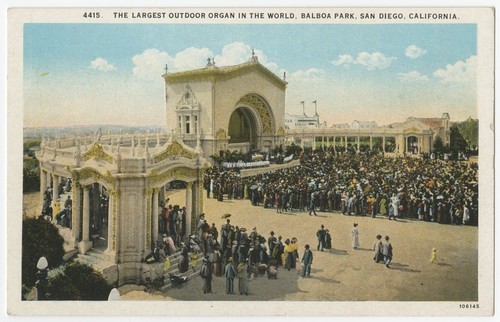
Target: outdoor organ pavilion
<point x="209" y="110"/>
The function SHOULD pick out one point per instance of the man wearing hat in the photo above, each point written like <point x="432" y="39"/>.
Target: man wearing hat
<point x="206" y="275"/>
<point x="321" y="237"/>
<point x="230" y="273"/>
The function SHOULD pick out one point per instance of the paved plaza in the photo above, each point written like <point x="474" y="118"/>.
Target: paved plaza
<point x="344" y="273"/>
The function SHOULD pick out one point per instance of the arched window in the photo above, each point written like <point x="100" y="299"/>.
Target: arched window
<point x="188" y="112"/>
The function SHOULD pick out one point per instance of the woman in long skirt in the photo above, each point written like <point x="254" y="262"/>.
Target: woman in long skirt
<point x="355" y="236"/>
<point x="289" y="262"/>
<point x="243" y="278"/>
<point x="206" y="275"/>
<point x="217" y="262"/>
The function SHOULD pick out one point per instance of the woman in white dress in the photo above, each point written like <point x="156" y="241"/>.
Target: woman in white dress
<point x="355" y="236"/>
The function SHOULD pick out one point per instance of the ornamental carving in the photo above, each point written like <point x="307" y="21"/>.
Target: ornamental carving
<point x="174" y="174"/>
<point x="221" y="134"/>
<point x="188" y="100"/>
<point x="147" y="193"/>
<point x="87" y="173"/>
<point x="98" y="153"/>
<point x="413" y="129"/>
<point x="175" y="149"/>
<point x="115" y="194"/>
<point x="258" y="104"/>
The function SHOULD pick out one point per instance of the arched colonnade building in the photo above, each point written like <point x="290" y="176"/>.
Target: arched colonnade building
<point x="415" y="136"/>
<point x="132" y="171"/>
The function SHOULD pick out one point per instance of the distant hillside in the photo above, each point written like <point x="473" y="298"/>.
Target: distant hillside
<point x="85" y="129"/>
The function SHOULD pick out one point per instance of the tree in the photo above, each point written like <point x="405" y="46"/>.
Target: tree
<point x="40" y="238"/>
<point x="78" y="282"/>
<point x="31" y="174"/>
<point x="438" y="146"/>
<point x="470" y="131"/>
<point x="457" y="141"/>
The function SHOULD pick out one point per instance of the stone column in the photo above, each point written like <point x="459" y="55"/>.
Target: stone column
<point x="148" y="195"/>
<point x="189" y="209"/>
<point x="401" y="144"/>
<point x="76" y="211"/>
<point x="111" y="205"/>
<point x="357" y="142"/>
<point x="345" y="142"/>
<point x="43" y="183"/>
<point x="183" y="121"/>
<point x="371" y="142"/>
<point x="48" y="179"/>
<point x="383" y="143"/>
<point x="55" y="189"/>
<point x="156" y="212"/>
<point x="85" y="244"/>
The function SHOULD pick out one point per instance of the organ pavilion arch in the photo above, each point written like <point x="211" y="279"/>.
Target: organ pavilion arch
<point x="239" y="107"/>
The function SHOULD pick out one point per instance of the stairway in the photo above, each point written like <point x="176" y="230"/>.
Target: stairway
<point x="174" y="269"/>
<point x="99" y="261"/>
<point x="95" y="258"/>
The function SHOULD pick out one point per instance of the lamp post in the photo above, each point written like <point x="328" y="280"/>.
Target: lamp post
<point x="114" y="295"/>
<point x="41" y="284"/>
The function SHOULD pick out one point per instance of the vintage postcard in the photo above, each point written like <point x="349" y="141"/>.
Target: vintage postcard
<point x="251" y="161"/>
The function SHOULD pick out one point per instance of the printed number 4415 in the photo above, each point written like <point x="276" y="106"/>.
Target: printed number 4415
<point x="92" y="15"/>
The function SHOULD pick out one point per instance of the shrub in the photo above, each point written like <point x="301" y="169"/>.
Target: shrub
<point x="31" y="175"/>
<point x="40" y="238"/>
<point x="78" y="282"/>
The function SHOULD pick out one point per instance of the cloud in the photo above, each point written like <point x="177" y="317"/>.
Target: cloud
<point x="151" y="63"/>
<point x="412" y="76"/>
<point x="234" y="54"/>
<point x="369" y="61"/>
<point x="459" y="72"/>
<point x="238" y="53"/>
<point x="101" y="64"/>
<point x="343" y="60"/>
<point x="191" y="58"/>
<point x="311" y="74"/>
<point x="374" y="61"/>
<point x="413" y="51"/>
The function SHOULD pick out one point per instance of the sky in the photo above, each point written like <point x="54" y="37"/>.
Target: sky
<point x="78" y="74"/>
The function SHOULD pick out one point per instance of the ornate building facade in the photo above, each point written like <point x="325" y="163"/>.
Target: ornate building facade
<point x="132" y="172"/>
<point x="238" y="107"/>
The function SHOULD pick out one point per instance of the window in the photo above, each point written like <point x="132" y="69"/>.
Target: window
<point x="188" y="123"/>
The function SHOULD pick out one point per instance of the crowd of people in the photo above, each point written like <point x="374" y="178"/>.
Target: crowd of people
<point x="363" y="184"/>
<point x="172" y="221"/>
<point x="234" y="252"/>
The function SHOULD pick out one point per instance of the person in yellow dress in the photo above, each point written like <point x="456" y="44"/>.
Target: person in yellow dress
<point x="288" y="254"/>
<point x="194" y="260"/>
<point x="57" y="207"/>
<point x="434" y="256"/>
